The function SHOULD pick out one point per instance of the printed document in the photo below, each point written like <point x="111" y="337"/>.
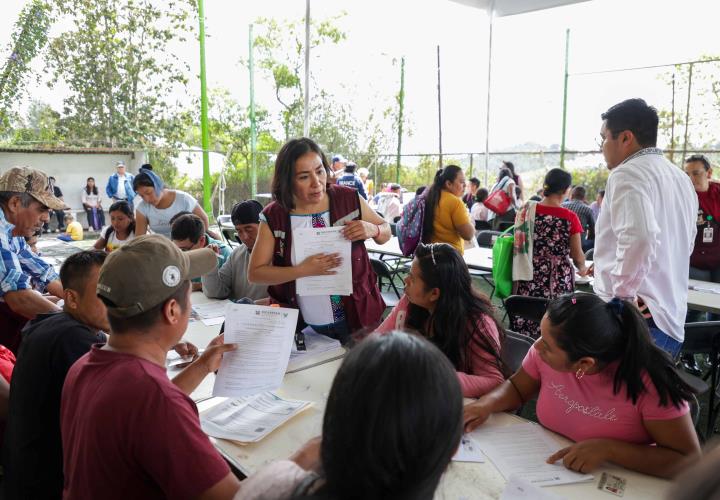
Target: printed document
<point x="468" y="451"/>
<point x="210" y="311"/>
<point x="250" y="419"/>
<point x="264" y="336"/>
<point x="312" y="241"/>
<point x="523" y="449"/>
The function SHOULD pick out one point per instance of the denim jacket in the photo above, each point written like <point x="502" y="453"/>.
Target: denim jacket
<point x="112" y="186"/>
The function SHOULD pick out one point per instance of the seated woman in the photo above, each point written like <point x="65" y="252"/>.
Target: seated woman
<point x="373" y="443"/>
<point x="441" y="304"/>
<point x="446" y="217"/>
<point x="121" y="229"/>
<point x="159" y="204"/>
<point x="479" y="213"/>
<point x="601" y="381"/>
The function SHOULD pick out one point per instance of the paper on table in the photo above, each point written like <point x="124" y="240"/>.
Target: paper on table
<point x="316" y="345"/>
<point x="468" y="451"/>
<point x="209" y="310"/>
<point x="518" y="488"/>
<point x="213" y="321"/>
<point x="706" y="289"/>
<point x="264" y="336"/>
<point x="523" y="449"/>
<point x="250" y="419"/>
<point x="312" y="241"/>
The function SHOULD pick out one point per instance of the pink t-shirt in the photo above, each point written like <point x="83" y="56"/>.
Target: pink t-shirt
<point x="485" y="374"/>
<point x="587" y="408"/>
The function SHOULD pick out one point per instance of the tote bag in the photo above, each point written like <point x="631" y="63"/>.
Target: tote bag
<point x="502" y="253"/>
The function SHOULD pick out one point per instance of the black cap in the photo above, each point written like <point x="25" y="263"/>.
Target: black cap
<point x="246" y="212"/>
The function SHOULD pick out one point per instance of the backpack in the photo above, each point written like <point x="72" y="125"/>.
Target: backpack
<point x="410" y="226"/>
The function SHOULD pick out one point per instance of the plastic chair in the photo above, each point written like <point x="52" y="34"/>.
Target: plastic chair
<point x="704" y="338"/>
<point x="229" y="235"/>
<point x="590" y="254"/>
<point x="383" y="272"/>
<point x="485" y="239"/>
<point x="482" y="225"/>
<point x="514" y="349"/>
<point x="529" y="308"/>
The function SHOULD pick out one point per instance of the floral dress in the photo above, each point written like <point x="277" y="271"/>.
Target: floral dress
<point x="553" y="271"/>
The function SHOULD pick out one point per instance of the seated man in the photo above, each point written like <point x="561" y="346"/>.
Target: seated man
<point x="230" y="279"/>
<point x="587" y="219"/>
<point x="128" y="431"/>
<point x="32" y="455"/>
<point x="188" y="233"/>
<point x="24" y="205"/>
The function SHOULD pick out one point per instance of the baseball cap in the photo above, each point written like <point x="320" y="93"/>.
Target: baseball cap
<point x="33" y="182"/>
<point x="146" y="271"/>
<point x="339" y="158"/>
<point x="119" y="164"/>
<point x="246" y="212"/>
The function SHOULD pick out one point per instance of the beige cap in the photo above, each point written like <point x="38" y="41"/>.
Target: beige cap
<point x="33" y="182"/>
<point x="146" y="271"/>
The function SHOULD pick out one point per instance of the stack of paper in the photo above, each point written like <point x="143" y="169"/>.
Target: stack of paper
<point x="211" y="313"/>
<point x="523" y="449"/>
<point x="316" y="345"/>
<point x="250" y="419"/>
<point x="264" y="336"/>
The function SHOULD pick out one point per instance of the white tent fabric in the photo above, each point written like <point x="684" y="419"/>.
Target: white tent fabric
<point x="503" y="8"/>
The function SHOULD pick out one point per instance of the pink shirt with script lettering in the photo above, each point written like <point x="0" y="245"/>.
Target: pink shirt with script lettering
<point x="587" y="408"/>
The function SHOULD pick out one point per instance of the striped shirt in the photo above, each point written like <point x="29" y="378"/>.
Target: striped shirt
<point x="18" y="264"/>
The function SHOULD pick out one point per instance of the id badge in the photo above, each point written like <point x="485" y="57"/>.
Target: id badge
<point x="708" y="235"/>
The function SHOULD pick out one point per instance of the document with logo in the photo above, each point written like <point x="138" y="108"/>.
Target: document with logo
<point x="312" y="241"/>
<point x="250" y="419"/>
<point x="523" y="449"/>
<point x="264" y="336"/>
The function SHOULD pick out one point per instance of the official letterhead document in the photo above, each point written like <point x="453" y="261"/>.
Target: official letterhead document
<point x="312" y="241"/>
<point x="264" y="336"/>
<point x="250" y="419"/>
<point x="523" y="449"/>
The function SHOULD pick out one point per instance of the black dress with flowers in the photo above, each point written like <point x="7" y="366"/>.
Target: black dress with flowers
<point x="553" y="271"/>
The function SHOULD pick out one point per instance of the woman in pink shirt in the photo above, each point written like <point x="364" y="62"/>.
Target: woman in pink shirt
<point x="441" y="304"/>
<point x="601" y="381"/>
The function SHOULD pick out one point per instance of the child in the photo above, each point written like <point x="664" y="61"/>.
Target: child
<point x="73" y="231"/>
<point x="121" y="229"/>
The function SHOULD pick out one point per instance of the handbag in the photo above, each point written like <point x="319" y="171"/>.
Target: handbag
<point x="499" y="201"/>
<point x="502" y="253"/>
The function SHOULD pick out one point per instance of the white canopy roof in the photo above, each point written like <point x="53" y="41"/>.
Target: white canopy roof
<point x="512" y="7"/>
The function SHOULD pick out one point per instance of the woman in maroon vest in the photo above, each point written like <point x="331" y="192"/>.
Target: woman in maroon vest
<point x="304" y="199"/>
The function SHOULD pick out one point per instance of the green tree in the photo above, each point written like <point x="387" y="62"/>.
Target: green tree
<point x="28" y="39"/>
<point x="118" y="66"/>
<point x="41" y="125"/>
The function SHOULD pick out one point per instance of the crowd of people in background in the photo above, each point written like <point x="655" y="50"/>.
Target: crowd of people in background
<point x="85" y="420"/>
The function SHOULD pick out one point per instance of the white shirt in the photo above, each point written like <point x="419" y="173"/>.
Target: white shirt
<point x="644" y="237"/>
<point x="121" y="195"/>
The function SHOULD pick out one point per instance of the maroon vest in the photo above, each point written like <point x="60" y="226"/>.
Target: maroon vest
<point x="364" y="308"/>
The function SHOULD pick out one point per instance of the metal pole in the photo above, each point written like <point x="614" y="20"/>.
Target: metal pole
<point x="401" y="103"/>
<point x="207" y="192"/>
<point x="440" y="164"/>
<point x="672" y="123"/>
<point x="306" y="122"/>
<point x="253" y="128"/>
<point x="491" y="13"/>
<point x="687" y="111"/>
<point x="565" y="93"/>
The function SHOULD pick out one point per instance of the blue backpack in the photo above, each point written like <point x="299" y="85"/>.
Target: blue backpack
<point x="410" y="226"/>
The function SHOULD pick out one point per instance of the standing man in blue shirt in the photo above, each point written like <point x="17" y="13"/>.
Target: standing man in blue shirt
<point x="349" y="179"/>
<point x="120" y="185"/>
<point x="25" y="202"/>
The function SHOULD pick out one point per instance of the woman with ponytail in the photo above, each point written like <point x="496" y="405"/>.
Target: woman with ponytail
<point x="441" y="304"/>
<point x="600" y="380"/>
<point x="446" y="217"/>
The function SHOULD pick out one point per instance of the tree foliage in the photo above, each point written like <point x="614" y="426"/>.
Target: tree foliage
<point x="118" y="67"/>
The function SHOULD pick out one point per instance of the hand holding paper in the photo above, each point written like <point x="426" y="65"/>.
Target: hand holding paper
<point x="326" y="245"/>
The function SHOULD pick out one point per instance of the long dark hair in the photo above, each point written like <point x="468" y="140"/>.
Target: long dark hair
<point x="94" y="188"/>
<point x="584" y="325"/>
<point x="392" y="422"/>
<point x="124" y="207"/>
<point x="460" y="311"/>
<point x="282" y="182"/>
<point x="432" y="197"/>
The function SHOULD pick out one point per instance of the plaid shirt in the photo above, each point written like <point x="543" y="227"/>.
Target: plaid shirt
<point x="18" y="264"/>
<point x="585" y="215"/>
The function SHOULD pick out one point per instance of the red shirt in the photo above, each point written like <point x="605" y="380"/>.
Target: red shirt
<point x="128" y="432"/>
<point x="706" y="253"/>
<point x="710" y="201"/>
<point x="561" y="213"/>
